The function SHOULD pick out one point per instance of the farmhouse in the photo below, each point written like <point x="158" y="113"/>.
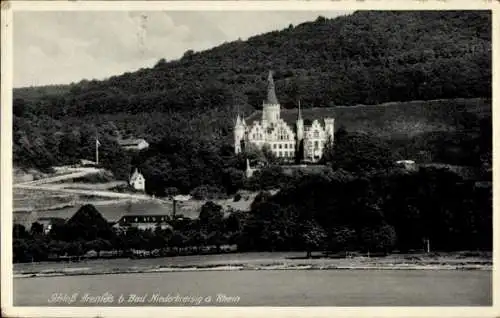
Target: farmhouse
<point x="137" y="181"/>
<point x="143" y="222"/>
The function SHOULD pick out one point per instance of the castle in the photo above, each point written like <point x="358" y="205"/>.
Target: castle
<point x="292" y="141"/>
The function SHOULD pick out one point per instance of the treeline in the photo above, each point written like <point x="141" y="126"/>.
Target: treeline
<point x="88" y="231"/>
<point x="338" y="212"/>
<point x="382" y="212"/>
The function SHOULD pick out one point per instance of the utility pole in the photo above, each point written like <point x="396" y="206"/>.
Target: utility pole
<point x="97" y="144"/>
<point x="174" y="207"/>
<point x="427" y="243"/>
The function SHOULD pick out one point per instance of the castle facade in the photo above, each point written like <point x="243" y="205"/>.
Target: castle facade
<point x="290" y="140"/>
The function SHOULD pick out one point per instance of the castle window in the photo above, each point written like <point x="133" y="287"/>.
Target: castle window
<point x="274" y="146"/>
<point x="280" y="146"/>
<point x="279" y="154"/>
<point x="286" y="146"/>
<point x="316" y="145"/>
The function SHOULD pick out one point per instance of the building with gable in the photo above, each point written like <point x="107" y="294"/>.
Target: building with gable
<point x="137" y="181"/>
<point x="294" y="140"/>
<point x="133" y="144"/>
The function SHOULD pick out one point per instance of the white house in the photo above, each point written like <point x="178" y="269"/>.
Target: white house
<point x="137" y="181"/>
<point x="407" y="164"/>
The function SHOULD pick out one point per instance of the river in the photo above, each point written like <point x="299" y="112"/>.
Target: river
<point x="263" y="288"/>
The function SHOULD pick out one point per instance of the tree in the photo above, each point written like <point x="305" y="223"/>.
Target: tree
<point x="178" y="240"/>
<point x="313" y="236"/>
<point x="74" y="248"/>
<point x="20" y="250"/>
<point x="197" y="239"/>
<point x="19" y="231"/>
<point x="357" y="152"/>
<point x="98" y="245"/>
<point x="342" y="238"/>
<point x="36" y="228"/>
<point x="379" y="238"/>
<point x="211" y="216"/>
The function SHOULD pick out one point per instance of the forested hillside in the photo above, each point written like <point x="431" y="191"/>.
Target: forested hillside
<point x="367" y="57"/>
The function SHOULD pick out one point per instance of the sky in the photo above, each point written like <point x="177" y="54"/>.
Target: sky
<point x="67" y="46"/>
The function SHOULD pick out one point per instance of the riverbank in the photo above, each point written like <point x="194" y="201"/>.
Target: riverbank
<point x="257" y="261"/>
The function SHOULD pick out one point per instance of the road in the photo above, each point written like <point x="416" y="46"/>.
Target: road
<point x="81" y="172"/>
<point x="107" y="194"/>
<point x="41" y="184"/>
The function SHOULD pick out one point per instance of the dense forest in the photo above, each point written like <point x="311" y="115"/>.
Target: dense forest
<point x="185" y="110"/>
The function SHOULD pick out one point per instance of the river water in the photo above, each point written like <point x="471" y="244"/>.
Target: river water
<point x="262" y="288"/>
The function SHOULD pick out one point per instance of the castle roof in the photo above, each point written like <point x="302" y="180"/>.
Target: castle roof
<point x="290" y="115"/>
<point x="271" y="91"/>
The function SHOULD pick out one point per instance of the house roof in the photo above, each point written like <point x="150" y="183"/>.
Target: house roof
<point x="130" y="142"/>
<point x="146" y="218"/>
<point x="50" y="219"/>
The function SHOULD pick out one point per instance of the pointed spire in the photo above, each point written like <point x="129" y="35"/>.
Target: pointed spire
<point x="300" y="113"/>
<point x="271" y="93"/>
<point x="238" y="120"/>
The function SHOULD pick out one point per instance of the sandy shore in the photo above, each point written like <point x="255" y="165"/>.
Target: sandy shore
<point x="253" y="261"/>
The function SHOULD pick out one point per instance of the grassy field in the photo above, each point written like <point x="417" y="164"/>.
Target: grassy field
<point x="30" y="205"/>
<point x="397" y="119"/>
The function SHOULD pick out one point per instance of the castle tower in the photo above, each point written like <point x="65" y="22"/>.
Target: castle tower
<point x="330" y="129"/>
<point x="239" y="134"/>
<point x="300" y="135"/>
<point x="271" y="106"/>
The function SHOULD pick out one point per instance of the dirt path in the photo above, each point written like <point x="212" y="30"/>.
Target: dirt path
<point x="107" y="194"/>
<point x="81" y="172"/>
